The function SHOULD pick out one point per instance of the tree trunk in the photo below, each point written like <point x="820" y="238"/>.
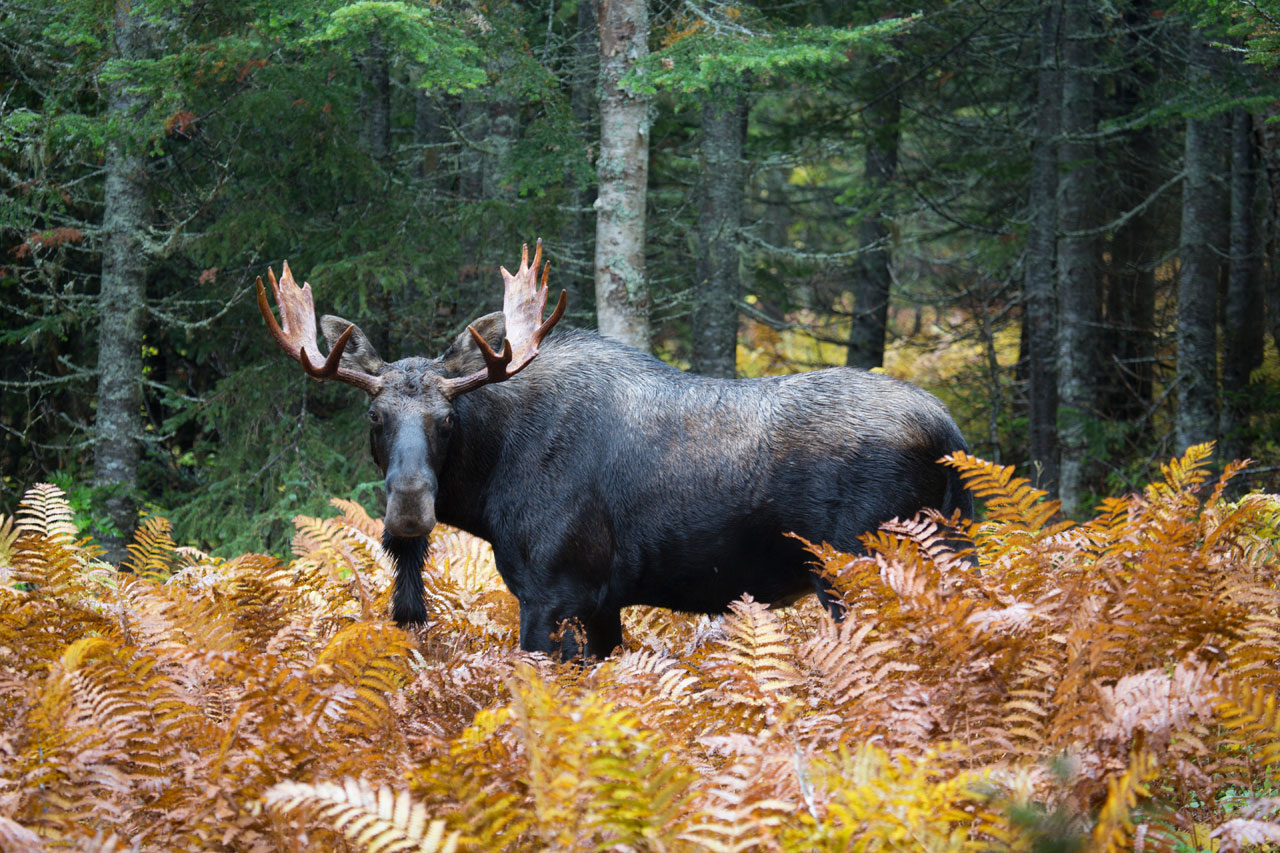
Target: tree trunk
<point x="578" y="232"/>
<point x="122" y="302"/>
<point x="1079" y="311"/>
<point x="622" y="293"/>
<point x="1197" y="380"/>
<point x="873" y="273"/>
<point x="1039" y="286"/>
<point x="715" y="311"/>
<point x="1243" y="324"/>
<point x="1128" y="347"/>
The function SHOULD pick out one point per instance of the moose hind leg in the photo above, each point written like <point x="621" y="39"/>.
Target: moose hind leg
<point x="827" y="597"/>
<point x="408" y="553"/>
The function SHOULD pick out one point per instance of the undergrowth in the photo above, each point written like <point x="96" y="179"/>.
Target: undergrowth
<point x="1097" y="686"/>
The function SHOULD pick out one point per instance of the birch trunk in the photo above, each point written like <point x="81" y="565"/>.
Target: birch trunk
<point x="622" y="293"/>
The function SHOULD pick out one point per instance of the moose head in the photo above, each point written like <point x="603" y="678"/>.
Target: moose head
<point x="411" y="411"/>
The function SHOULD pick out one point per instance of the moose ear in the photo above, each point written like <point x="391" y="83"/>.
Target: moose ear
<point x="359" y="354"/>
<point x="463" y="356"/>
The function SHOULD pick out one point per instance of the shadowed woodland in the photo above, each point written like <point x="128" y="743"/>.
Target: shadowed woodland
<point x="1058" y="216"/>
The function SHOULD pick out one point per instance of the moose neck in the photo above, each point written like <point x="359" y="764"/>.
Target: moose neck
<point x="468" y="469"/>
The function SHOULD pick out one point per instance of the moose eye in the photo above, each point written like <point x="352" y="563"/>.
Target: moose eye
<point x="374" y="417"/>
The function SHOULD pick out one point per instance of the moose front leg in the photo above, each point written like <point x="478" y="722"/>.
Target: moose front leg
<point x="408" y="553"/>
<point x="542" y="622"/>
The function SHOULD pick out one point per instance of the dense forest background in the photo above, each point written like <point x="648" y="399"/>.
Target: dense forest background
<point x="1061" y="217"/>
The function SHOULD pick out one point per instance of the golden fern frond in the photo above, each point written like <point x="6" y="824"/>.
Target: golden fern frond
<point x="1010" y="501"/>
<point x="45" y="510"/>
<point x="51" y="565"/>
<point x="869" y="799"/>
<point x="594" y="770"/>
<point x="8" y="537"/>
<point x="480" y="783"/>
<point x="172" y="615"/>
<point x="314" y="534"/>
<point x="1252" y="713"/>
<point x="152" y="551"/>
<point x="1184" y="473"/>
<point x="371" y="660"/>
<point x="1115" y="826"/>
<point x="375" y="820"/>
<point x="754" y="661"/>
<point x="659" y="687"/>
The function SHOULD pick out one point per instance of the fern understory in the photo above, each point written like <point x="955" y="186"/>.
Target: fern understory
<point x="1097" y="686"/>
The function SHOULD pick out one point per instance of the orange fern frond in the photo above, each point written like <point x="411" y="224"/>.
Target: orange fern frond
<point x="1009" y="501"/>
<point x="355" y="516"/>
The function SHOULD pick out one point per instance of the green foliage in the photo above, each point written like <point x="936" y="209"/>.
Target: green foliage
<point x="710" y="54"/>
<point x="448" y="58"/>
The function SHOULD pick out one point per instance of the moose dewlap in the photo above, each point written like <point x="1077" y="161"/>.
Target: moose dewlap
<point x="605" y="478"/>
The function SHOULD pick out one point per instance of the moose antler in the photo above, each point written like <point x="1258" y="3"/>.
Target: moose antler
<point x="298" y="314"/>
<point x="523" y="302"/>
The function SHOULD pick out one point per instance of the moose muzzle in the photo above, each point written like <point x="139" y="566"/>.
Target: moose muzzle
<point x="411" y="486"/>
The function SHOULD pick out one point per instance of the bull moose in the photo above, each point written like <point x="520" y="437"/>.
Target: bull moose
<point x="605" y="478"/>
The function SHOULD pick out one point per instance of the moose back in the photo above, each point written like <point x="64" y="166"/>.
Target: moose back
<point x="605" y="478"/>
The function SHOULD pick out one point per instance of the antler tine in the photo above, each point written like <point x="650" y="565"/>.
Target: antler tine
<point x="297" y="331"/>
<point x="522" y="306"/>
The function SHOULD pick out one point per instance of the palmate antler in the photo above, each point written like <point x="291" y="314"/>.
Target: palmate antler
<point x="298" y="335"/>
<point x="523" y="302"/>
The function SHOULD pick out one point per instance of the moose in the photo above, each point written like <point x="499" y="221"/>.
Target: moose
<point x="604" y="477"/>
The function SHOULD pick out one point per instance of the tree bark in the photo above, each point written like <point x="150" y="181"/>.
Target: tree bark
<point x="622" y="293"/>
<point x="1243" y="325"/>
<point x="1197" y="419"/>
<point x="1039" y="285"/>
<point x="873" y="272"/>
<point x="1079" y="311"/>
<point x="1129" y="345"/>
<point x="715" y="312"/>
<point x="122" y="300"/>
<point x="577" y="236"/>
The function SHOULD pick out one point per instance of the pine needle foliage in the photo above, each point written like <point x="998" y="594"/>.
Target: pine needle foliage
<point x="1108" y="685"/>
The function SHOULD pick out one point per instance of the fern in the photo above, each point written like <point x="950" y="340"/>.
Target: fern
<point x="45" y="511"/>
<point x="152" y="551"/>
<point x="375" y="820"/>
<point x="1115" y="825"/>
<point x="8" y="537"/>
<point x="1107" y="683"/>
<point x="754" y="662"/>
